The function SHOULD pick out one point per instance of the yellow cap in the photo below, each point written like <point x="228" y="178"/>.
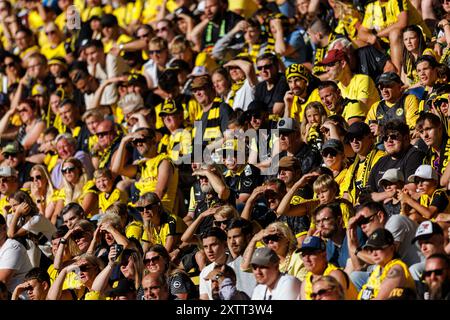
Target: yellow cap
<point x="298" y="70"/>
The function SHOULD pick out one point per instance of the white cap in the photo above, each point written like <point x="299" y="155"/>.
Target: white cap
<point x="392" y="175"/>
<point x="198" y="71"/>
<point x="7" y="172"/>
<point x="424" y="171"/>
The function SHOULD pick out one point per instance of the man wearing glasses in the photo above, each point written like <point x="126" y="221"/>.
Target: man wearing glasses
<point x="371" y="216"/>
<point x="363" y="144"/>
<point x="437" y="277"/>
<point x="9" y="184"/>
<point x="401" y="154"/>
<point x="108" y="142"/>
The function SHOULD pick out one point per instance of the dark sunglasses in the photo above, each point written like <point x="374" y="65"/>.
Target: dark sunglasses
<point x="78" y="235"/>
<point x="272" y="237"/>
<point x="50" y="32"/>
<point x="138" y="141"/>
<point x="154" y="52"/>
<point x="37" y="178"/>
<point x="103" y="133"/>
<point x="146" y="208"/>
<point x="392" y="136"/>
<point x="356" y="137"/>
<point x="144" y="35"/>
<point x="437" y="272"/>
<point x="329" y="152"/>
<point x="85" y="267"/>
<point x="218" y="223"/>
<point x="264" y="67"/>
<point x="366" y="220"/>
<point x="68" y="169"/>
<point x="320" y="293"/>
<point x="11" y="64"/>
<point x="152" y="260"/>
<point x="62" y="84"/>
<point x="161" y="29"/>
<point x="10" y="155"/>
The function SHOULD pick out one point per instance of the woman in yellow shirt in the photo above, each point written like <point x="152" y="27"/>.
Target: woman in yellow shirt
<point x="54" y="42"/>
<point x="77" y="187"/>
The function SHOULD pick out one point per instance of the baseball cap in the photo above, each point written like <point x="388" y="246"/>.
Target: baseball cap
<point x="333" y="56"/>
<point x="289" y="162"/>
<point x="264" y="257"/>
<point x="426" y="229"/>
<point x="392" y="175"/>
<point x="389" y="78"/>
<point x="334" y="144"/>
<point x="287" y="125"/>
<point x="109" y="20"/>
<point x="424" y="171"/>
<point x="201" y="82"/>
<point x="312" y="243"/>
<point x="6" y="171"/>
<point x="298" y="70"/>
<point x="122" y="287"/>
<point x="379" y="238"/>
<point x="13" y="147"/>
<point x="58" y="60"/>
<point x="198" y="71"/>
<point x="136" y="79"/>
<point x="357" y="129"/>
<point x="170" y="107"/>
<point x="38" y="90"/>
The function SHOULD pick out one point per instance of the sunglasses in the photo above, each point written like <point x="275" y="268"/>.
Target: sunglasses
<point x="10" y="155"/>
<point x="161" y="29"/>
<point x="78" y="235"/>
<point x="103" y="133"/>
<point x="152" y="260"/>
<point x="372" y="249"/>
<point x="50" y="32"/>
<point x="272" y="237"/>
<point x="146" y="208"/>
<point x="37" y="178"/>
<point x="321" y="292"/>
<point x="310" y="252"/>
<point x="154" y="52"/>
<point x="5" y="179"/>
<point x="62" y="84"/>
<point x="437" y="272"/>
<point x="139" y="141"/>
<point x="218" y="223"/>
<point x="68" y="169"/>
<point x="392" y="136"/>
<point x="264" y="67"/>
<point x="11" y="64"/>
<point x="366" y="220"/>
<point x="329" y="152"/>
<point x="144" y="35"/>
<point x="85" y="267"/>
<point x="256" y="266"/>
<point x="356" y="137"/>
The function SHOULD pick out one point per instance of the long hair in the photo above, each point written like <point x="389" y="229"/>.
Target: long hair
<point x="407" y="56"/>
<point x="43" y="171"/>
<point x="313" y="105"/>
<point x="73" y="193"/>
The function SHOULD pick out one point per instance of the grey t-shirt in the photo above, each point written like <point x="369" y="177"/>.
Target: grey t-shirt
<point x="404" y="229"/>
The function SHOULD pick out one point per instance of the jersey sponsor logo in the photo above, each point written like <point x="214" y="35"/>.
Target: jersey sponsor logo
<point x="176" y="284"/>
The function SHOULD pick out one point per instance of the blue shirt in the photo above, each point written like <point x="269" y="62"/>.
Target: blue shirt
<point x="338" y="255"/>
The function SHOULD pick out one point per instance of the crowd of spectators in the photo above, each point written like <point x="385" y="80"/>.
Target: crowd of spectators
<point x="224" y="150"/>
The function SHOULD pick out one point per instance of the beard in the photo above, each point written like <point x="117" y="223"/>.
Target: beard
<point x="206" y="188"/>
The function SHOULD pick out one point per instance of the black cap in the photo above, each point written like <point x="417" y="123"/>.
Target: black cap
<point x="109" y="20"/>
<point x="334" y="144"/>
<point x="379" y="238"/>
<point x="389" y="78"/>
<point x="122" y="287"/>
<point x="136" y="79"/>
<point x="358" y="129"/>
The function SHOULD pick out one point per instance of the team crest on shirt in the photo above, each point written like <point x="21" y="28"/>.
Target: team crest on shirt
<point x="399" y="112"/>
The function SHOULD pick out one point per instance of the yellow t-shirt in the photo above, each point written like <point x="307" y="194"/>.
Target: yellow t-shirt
<point x="361" y="86"/>
<point x="298" y="108"/>
<point x="379" y="15"/>
<point x="123" y="38"/>
<point x="411" y="111"/>
<point x="129" y="13"/>
<point x="53" y="52"/>
<point x="116" y="195"/>
<point x="89" y="187"/>
<point x="191" y="111"/>
<point x="352" y="110"/>
<point x="174" y="145"/>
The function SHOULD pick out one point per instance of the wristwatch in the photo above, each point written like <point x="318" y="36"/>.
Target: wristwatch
<point x="121" y="47"/>
<point x="63" y="241"/>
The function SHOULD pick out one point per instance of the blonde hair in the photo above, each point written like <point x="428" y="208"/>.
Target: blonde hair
<point x="92" y="113"/>
<point x="179" y="43"/>
<point x="158" y="41"/>
<point x="333" y="283"/>
<point x="325" y="181"/>
<point x="43" y="171"/>
<point x="284" y="230"/>
<point x="85" y="226"/>
<point x="73" y="193"/>
<point x="227" y="211"/>
<point x="316" y="106"/>
<point x="111" y="218"/>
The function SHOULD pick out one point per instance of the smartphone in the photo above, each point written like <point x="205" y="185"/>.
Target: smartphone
<point x="119" y="249"/>
<point x="373" y="121"/>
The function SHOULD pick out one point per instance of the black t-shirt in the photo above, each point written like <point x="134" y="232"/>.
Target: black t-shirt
<point x="180" y="282"/>
<point x="309" y="157"/>
<point x="408" y="164"/>
<point x="246" y="181"/>
<point x="218" y="28"/>
<point x="275" y="95"/>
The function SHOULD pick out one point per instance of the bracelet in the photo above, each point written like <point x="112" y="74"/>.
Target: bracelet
<point x="121" y="46"/>
<point x="62" y="241"/>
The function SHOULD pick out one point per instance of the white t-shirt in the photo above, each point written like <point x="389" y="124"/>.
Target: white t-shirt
<point x="286" y="288"/>
<point x="14" y="256"/>
<point x="245" y="281"/>
<point x="244" y="96"/>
